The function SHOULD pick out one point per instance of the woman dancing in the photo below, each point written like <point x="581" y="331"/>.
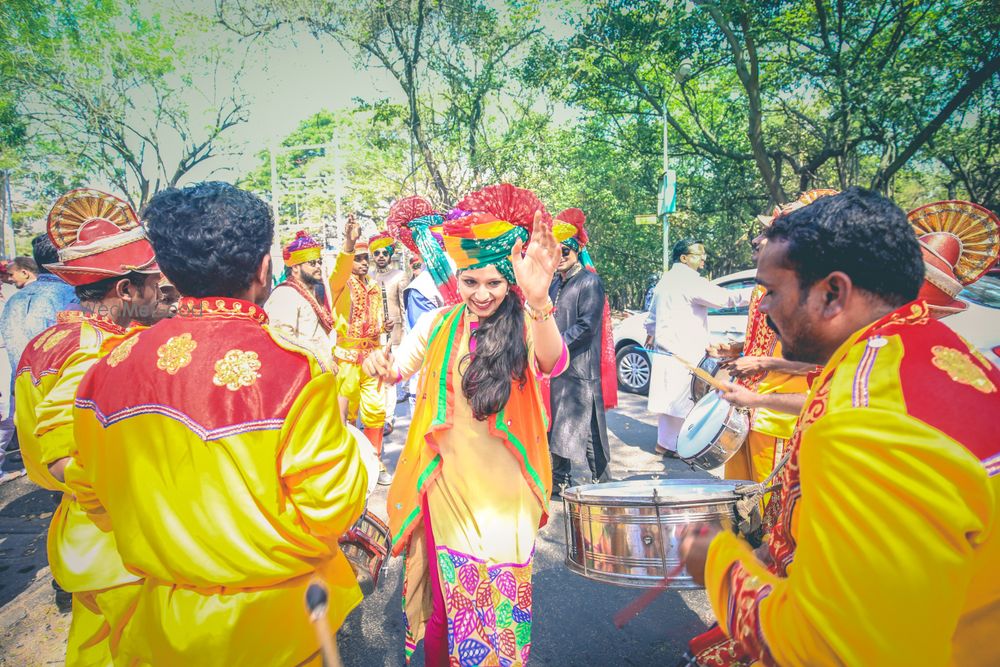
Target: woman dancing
<point x="473" y="482"/>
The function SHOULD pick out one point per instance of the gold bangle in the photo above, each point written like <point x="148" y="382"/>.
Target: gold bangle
<point x="543" y="314"/>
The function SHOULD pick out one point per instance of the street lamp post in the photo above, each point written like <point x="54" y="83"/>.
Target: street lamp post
<point x="668" y="183"/>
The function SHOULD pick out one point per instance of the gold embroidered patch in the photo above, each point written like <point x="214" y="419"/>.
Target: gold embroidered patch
<point x="120" y="353"/>
<point x="974" y="351"/>
<point x="919" y="314"/>
<point x="236" y="369"/>
<point x="41" y="339"/>
<point x="961" y="368"/>
<point x="175" y="354"/>
<point x="55" y="339"/>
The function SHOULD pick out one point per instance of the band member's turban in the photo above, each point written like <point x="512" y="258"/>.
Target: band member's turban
<point x="303" y="248"/>
<point x="960" y="242"/>
<point x="97" y="236"/>
<point x="806" y="198"/>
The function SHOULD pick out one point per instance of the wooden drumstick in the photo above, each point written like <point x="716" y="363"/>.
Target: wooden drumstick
<point x="316" y="602"/>
<point x="700" y="372"/>
<point x="635" y="607"/>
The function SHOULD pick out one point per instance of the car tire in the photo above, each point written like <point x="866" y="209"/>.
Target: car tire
<point x="634" y="369"/>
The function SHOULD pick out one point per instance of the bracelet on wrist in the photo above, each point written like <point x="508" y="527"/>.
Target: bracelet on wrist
<point x="542" y="314"/>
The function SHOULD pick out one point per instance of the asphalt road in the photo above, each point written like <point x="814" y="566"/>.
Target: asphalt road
<point x="572" y="615"/>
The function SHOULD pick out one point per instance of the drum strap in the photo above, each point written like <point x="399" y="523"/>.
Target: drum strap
<point x="748" y="504"/>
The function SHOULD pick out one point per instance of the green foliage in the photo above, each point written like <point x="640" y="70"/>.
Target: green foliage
<point x="100" y="82"/>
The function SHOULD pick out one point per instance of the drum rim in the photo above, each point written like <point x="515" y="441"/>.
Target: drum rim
<point x="573" y="494"/>
<point x="718" y="432"/>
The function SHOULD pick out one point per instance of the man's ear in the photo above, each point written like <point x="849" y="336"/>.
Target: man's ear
<point x="266" y="271"/>
<point x="837" y="289"/>
<point x="125" y="290"/>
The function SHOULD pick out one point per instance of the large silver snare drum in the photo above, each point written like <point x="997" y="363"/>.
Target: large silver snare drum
<point x="625" y="533"/>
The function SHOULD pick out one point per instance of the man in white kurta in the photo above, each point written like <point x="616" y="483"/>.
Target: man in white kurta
<point x="679" y="324"/>
<point x="293" y="310"/>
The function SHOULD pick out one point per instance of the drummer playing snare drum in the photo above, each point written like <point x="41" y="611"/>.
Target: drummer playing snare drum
<point x="890" y="502"/>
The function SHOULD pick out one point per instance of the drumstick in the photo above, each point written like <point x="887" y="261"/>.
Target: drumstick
<point x="700" y="372"/>
<point x="636" y="606"/>
<point x="316" y="602"/>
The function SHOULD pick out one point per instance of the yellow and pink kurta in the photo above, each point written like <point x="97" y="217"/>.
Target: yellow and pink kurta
<point x="215" y="450"/>
<point x="886" y="548"/>
<point x="82" y="552"/>
<point x="485" y="486"/>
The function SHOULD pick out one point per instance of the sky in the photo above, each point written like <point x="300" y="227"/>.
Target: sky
<point x="286" y="80"/>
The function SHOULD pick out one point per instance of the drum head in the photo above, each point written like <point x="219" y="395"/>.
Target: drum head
<point x="640" y="491"/>
<point x="702" y="425"/>
<point x="714" y="368"/>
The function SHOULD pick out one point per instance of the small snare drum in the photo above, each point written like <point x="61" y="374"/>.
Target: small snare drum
<point x="712" y="432"/>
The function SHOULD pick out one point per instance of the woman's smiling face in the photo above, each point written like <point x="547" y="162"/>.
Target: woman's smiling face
<point x="482" y="290"/>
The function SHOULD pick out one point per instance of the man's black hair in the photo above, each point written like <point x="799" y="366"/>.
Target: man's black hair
<point x="209" y="237"/>
<point x="24" y="263"/>
<point x="682" y="247"/>
<point x="44" y="252"/>
<point x="97" y="291"/>
<point x="860" y="233"/>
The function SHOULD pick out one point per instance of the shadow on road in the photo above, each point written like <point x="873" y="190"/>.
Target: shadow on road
<point x="24" y="522"/>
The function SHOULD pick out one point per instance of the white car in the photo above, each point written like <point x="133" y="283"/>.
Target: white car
<point x="979" y="324"/>
<point x="724" y="324"/>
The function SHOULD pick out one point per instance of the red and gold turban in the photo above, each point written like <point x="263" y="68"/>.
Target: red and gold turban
<point x="303" y="248"/>
<point x="490" y="223"/>
<point x="960" y="242"/>
<point x="806" y="198"/>
<point x="97" y="236"/>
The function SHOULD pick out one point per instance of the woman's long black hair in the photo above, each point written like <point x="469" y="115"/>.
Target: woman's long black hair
<point x="501" y="356"/>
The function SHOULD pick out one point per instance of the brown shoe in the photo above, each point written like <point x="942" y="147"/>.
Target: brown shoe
<point x="666" y="453"/>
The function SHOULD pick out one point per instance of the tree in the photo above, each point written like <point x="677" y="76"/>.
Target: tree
<point x="807" y="92"/>
<point x="967" y="148"/>
<point x="451" y="61"/>
<point x="114" y="105"/>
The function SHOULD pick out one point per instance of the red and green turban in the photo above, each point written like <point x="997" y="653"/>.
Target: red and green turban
<point x="382" y="240"/>
<point x="417" y="225"/>
<point x="303" y="248"/>
<point x="490" y="223"/>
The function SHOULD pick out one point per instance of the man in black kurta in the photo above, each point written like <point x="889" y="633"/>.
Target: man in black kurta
<point x="577" y="405"/>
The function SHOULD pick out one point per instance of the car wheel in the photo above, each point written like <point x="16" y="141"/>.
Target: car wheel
<point x="633" y="370"/>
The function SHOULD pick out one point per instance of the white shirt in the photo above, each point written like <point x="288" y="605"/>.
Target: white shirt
<point x="289" y="313"/>
<point x="680" y="308"/>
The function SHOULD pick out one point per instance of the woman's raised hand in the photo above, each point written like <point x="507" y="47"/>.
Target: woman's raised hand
<point x="534" y="271"/>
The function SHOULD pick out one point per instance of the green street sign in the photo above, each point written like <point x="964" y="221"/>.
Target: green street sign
<point x="647" y="219"/>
